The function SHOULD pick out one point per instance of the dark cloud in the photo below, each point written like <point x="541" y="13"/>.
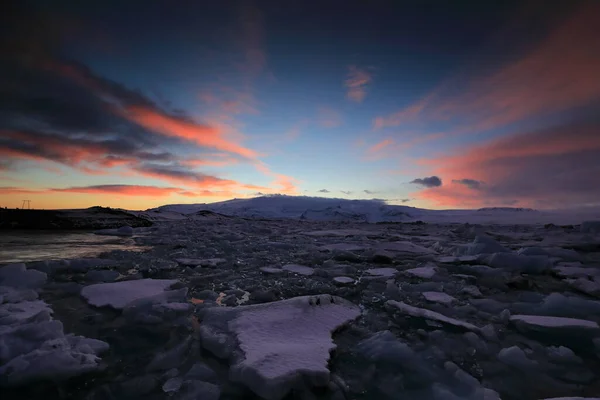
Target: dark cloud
<point x="470" y="183"/>
<point x="430" y="181"/>
<point x="405" y="200"/>
<point x="369" y="191"/>
<point x="323" y="191"/>
<point x="346" y="192"/>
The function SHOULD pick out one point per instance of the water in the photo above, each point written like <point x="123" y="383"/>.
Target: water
<point x="26" y="246"/>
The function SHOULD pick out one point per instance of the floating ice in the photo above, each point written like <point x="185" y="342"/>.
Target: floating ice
<point x="119" y="294"/>
<point x="17" y="276"/>
<point x="385" y="272"/>
<point x="280" y="343"/>
<point x="546" y="323"/>
<point x="405" y="247"/>
<point x="439" y="297"/>
<point x="428" y="314"/>
<point x="422" y="272"/>
<point x="272" y="270"/>
<point x="481" y="245"/>
<point x="298" y="269"/>
<point x="343" y="280"/>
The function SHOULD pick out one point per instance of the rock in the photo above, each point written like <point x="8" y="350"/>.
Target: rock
<point x="428" y="314"/>
<point x="283" y="342"/>
<point x="118" y="294"/>
<point x="439" y="297"/>
<point x="122" y="231"/>
<point x="17" y="276"/>
<point x="516" y="358"/>
<point x="298" y="269"/>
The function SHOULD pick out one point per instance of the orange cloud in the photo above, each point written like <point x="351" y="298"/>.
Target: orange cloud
<point x="546" y="168"/>
<point x="356" y="83"/>
<point x="559" y="74"/>
<point x="202" y="135"/>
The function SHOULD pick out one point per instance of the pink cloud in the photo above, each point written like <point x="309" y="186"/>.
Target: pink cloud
<point x="329" y="118"/>
<point x="356" y="83"/>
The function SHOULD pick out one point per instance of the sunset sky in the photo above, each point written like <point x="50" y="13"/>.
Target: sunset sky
<point x="436" y="104"/>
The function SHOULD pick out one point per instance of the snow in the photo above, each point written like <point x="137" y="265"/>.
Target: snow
<point x="280" y="342"/>
<point x="422" y="272"/>
<point x="439" y="297"/>
<point x="119" y="294"/>
<point x="298" y="269"/>
<point x="122" y="231"/>
<point x="385" y="272"/>
<point x="428" y="314"/>
<point x="332" y="209"/>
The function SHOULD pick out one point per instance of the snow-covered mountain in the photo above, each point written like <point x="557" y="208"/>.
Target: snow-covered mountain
<point x="331" y="209"/>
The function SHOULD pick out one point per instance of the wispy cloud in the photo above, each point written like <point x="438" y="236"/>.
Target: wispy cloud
<point x="366" y="191"/>
<point x="537" y="84"/>
<point x="323" y="191"/>
<point x="552" y="167"/>
<point x="328" y="117"/>
<point x="356" y="83"/>
<point x="346" y="192"/>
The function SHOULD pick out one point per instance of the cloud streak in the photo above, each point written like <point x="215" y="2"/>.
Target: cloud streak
<point x="356" y="83"/>
<point x="430" y="181"/>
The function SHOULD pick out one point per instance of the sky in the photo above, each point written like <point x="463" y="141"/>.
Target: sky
<point x="433" y="104"/>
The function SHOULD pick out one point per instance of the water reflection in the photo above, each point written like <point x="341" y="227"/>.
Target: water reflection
<point x="30" y="245"/>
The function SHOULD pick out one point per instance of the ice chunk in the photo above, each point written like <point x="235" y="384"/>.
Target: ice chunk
<point x="298" y="269"/>
<point x="405" y="247"/>
<point x="575" y="270"/>
<point x="589" y="286"/>
<point x="428" y="314"/>
<point x="555" y="325"/>
<point x="11" y="295"/>
<point x="195" y="390"/>
<point x="426" y="272"/>
<point x="471" y="291"/>
<point x="518" y="263"/>
<point x="515" y="357"/>
<point x="572" y="398"/>
<point x="481" y="245"/>
<point x="563" y="355"/>
<point x="439" y="297"/>
<point x="590" y="227"/>
<point x="281" y="342"/>
<point x="202" y="262"/>
<point x="118" y="294"/>
<point x="172" y="385"/>
<point x="122" y="231"/>
<point x="17" y="276"/>
<point x="343" y="247"/>
<point x="343" y="280"/>
<point x="565" y="254"/>
<point x="385" y="272"/>
<point x="101" y="276"/>
<point x="15" y="313"/>
<point x="271" y="270"/>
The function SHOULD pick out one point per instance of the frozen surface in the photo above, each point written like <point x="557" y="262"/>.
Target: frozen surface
<point x="119" y="294"/>
<point x="428" y="314"/>
<point x="280" y="342"/>
<point x="386" y="272"/>
<point x="298" y="269"/>
<point x="18" y="276"/>
<point x="422" y="272"/>
<point x="439" y="297"/>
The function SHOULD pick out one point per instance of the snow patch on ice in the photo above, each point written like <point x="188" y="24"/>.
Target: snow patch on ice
<point x="119" y="294"/>
<point x="428" y="314"/>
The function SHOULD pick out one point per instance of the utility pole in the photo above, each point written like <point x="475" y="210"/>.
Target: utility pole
<point x="28" y="203"/>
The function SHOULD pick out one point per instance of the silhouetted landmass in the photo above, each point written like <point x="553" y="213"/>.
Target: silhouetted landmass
<point x="90" y="218"/>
